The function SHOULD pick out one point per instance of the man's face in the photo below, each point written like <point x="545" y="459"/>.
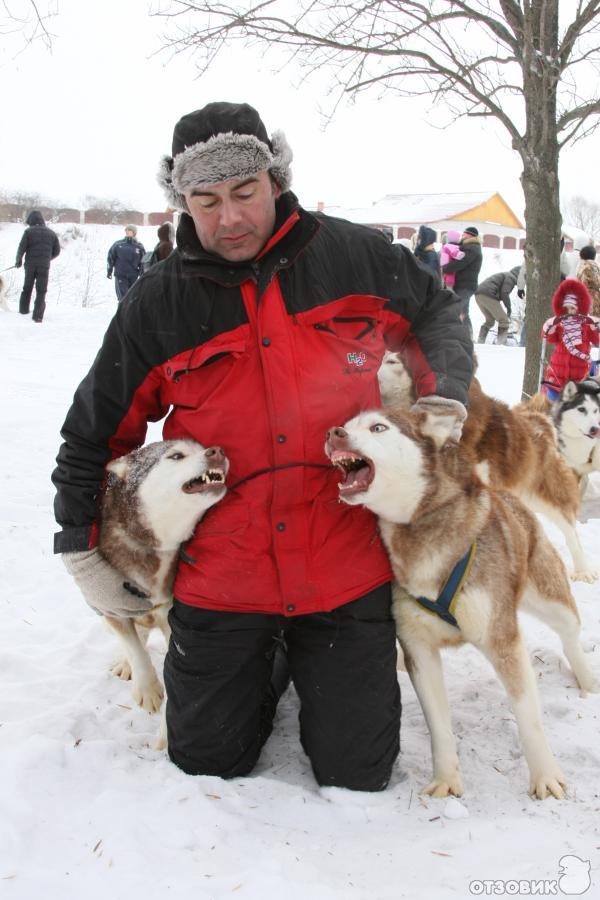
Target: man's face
<point x="234" y="218"/>
<point x="128" y="233"/>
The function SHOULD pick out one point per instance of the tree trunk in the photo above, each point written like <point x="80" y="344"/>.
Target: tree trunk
<point x="542" y="255"/>
<point x="539" y="152"/>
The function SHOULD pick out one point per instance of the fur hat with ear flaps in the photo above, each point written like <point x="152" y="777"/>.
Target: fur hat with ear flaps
<point x="219" y="142"/>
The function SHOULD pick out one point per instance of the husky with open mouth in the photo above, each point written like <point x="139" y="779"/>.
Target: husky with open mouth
<point x="154" y="498"/>
<point x="434" y="513"/>
<point x="516" y="449"/>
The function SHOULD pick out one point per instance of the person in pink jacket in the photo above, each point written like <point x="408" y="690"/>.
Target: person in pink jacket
<point x="450" y="250"/>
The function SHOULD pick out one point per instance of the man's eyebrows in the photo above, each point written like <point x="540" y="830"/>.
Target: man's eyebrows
<point x="200" y="192"/>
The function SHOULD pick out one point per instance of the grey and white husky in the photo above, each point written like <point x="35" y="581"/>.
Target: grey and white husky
<point x="576" y="417"/>
<point x="154" y="498"/>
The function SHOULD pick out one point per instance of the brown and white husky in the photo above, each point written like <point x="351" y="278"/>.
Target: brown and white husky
<point x="154" y="498"/>
<point x="432" y="507"/>
<point x="516" y="450"/>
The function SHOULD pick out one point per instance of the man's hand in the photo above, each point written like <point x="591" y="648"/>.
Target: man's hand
<point x="102" y="586"/>
<point x="443" y="406"/>
<point x="109" y="274"/>
<point x="521" y="294"/>
<point x="18" y="264"/>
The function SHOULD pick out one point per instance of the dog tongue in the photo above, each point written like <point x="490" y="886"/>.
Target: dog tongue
<point x="357" y="480"/>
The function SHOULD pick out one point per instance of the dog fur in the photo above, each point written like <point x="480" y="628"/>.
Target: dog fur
<point x="153" y="500"/>
<point x="432" y="506"/>
<point x="3" y="292"/>
<point x="516" y="450"/>
<point x="576" y="417"/>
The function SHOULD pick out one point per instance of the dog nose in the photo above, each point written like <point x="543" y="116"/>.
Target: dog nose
<point x="337" y="432"/>
<point x="594" y="431"/>
<point x="215" y="454"/>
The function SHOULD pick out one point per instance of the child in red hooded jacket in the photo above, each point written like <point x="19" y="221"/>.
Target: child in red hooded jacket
<point x="574" y="332"/>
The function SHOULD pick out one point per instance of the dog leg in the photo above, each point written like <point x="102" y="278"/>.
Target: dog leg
<point x="146" y="688"/>
<point x="515" y="670"/>
<point x="161" y="616"/>
<point x="122" y="668"/>
<point x="582" y="570"/>
<point x="424" y="666"/>
<point x="161" y="742"/>
<point x="562" y="617"/>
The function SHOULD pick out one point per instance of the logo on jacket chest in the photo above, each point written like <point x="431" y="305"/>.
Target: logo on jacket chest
<point x="356" y="359"/>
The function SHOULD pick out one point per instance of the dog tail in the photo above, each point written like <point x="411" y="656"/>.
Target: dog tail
<point x="538" y="403"/>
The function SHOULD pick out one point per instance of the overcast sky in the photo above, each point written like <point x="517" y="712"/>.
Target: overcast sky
<point x="95" y="115"/>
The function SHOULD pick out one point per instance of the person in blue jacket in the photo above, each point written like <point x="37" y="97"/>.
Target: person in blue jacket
<point x="426" y="253"/>
<point x="125" y="257"/>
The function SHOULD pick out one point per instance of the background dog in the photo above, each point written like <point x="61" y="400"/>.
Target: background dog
<point x="3" y="292"/>
<point x="432" y="508"/>
<point x="576" y="417"/>
<point x="153" y="500"/>
<point x="516" y="450"/>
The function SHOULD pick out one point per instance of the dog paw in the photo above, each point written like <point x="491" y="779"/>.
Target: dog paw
<point x="161" y="740"/>
<point x="550" y="785"/>
<point x="122" y="670"/>
<point x="149" y="696"/>
<point x="587" y="575"/>
<point x="445" y="787"/>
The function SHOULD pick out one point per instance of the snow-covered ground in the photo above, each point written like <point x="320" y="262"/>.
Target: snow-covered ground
<point x="89" y="809"/>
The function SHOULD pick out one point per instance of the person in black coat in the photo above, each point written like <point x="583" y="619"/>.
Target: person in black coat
<point x="39" y="245"/>
<point x="426" y="253"/>
<point x="467" y="269"/>
<point x="125" y="257"/>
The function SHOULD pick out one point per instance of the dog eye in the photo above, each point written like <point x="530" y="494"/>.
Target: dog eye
<point x="176" y="456"/>
<point x="378" y="427"/>
<point x="581" y="409"/>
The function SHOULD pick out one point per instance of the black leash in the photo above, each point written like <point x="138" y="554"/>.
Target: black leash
<point x="189" y="559"/>
<point x="293" y="465"/>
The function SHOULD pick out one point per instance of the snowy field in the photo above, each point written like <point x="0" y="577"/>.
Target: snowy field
<point x="88" y="809"/>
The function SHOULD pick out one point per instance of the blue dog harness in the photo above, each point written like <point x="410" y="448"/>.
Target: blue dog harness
<point x="444" y="604"/>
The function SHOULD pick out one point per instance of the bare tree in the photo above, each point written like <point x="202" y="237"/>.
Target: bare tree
<point x="508" y="60"/>
<point x="29" y="19"/>
<point x="584" y="214"/>
<point x="26" y="199"/>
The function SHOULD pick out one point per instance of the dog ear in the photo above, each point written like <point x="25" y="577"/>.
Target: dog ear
<point x="441" y="425"/>
<point x="119" y="467"/>
<point x="569" y="391"/>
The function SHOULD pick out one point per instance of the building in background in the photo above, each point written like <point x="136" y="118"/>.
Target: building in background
<point x="498" y="226"/>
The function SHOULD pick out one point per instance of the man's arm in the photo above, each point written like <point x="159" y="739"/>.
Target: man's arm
<point x="108" y="418"/>
<point x="21" y="250"/>
<point x="55" y="247"/>
<point x="455" y="265"/>
<point x="424" y="325"/>
<point x="110" y="261"/>
<point x="508" y="283"/>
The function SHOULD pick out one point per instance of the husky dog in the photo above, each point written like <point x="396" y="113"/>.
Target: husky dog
<point x="153" y="499"/>
<point x="3" y="291"/>
<point x="432" y="508"/>
<point x="516" y="450"/>
<point x="576" y="417"/>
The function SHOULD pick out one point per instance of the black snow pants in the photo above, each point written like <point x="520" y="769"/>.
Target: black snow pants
<point x="222" y="693"/>
<point x="35" y="274"/>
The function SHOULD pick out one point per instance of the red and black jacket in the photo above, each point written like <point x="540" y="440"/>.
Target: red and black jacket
<point x="262" y="358"/>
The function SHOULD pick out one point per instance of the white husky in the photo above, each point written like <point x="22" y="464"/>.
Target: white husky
<point x="154" y="498"/>
<point x="432" y="509"/>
